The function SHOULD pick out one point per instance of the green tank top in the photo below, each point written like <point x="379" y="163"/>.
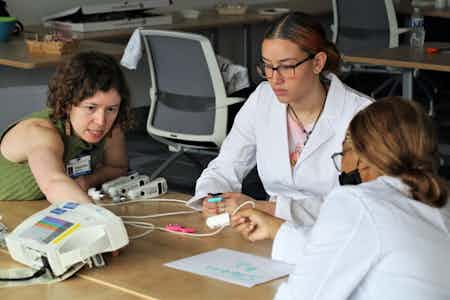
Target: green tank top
<point x="16" y="180"/>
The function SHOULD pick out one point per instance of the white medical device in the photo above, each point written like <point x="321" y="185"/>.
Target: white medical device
<point x="65" y="234"/>
<point x="123" y="188"/>
<point x="217" y="221"/>
<point x="154" y="188"/>
<point x="120" y="180"/>
<point x="110" y="16"/>
<point x="133" y="186"/>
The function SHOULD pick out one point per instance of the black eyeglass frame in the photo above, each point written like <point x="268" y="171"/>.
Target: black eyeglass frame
<point x="261" y="66"/>
<point x="334" y="156"/>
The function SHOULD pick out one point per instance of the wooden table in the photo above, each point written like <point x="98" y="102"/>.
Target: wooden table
<point x="405" y="7"/>
<point x="209" y="18"/>
<point x="405" y="58"/>
<point x="139" y="270"/>
<point x="15" y="54"/>
<point x="74" y="288"/>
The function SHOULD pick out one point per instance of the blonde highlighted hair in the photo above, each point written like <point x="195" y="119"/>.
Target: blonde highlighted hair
<point x="397" y="137"/>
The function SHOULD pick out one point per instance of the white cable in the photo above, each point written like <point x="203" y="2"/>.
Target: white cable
<point x="191" y="234"/>
<point x="150" y="227"/>
<point x="184" y="212"/>
<point x="252" y="203"/>
<point x="144" y="200"/>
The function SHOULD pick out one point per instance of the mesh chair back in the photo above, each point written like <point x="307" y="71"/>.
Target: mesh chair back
<point x="185" y="100"/>
<point x="362" y="24"/>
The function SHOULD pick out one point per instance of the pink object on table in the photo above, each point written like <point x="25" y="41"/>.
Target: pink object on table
<point x="179" y="228"/>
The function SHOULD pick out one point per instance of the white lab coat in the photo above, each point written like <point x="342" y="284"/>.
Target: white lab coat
<point x="260" y="136"/>
<point x="370" y="241"/>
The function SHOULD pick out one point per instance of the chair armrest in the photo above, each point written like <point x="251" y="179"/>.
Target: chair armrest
<point x="333" y="27"/>
<point x="403" y="30"/>
<point x="234" y="100"/>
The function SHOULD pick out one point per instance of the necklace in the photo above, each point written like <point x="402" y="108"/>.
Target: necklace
<point x="306" y="132"/>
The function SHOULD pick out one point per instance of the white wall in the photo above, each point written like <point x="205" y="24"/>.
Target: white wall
<point x="31" y="11"/>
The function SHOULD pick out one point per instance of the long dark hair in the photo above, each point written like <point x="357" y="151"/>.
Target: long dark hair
<point x="308" y="34"/>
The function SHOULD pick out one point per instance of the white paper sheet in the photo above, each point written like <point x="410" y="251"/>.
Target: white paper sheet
<point x="233" y="266"/>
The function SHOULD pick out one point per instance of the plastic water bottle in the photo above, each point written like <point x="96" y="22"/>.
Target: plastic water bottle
<point x="417" y="30"/>
<point x="440" y="4"/>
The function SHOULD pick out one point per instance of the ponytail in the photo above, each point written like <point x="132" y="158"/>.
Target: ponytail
<point x="334" y="59"/>
<point x="426" y="187"/>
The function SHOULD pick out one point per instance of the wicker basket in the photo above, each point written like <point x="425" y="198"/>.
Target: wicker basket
<point x="230" y="10"/>
<point x="52" y="47"/>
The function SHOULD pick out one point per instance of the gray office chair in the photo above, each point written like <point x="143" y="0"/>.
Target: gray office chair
<point x="189" y="108"/>
<point x="360" y="24"/>
<point x="20" y="101"/>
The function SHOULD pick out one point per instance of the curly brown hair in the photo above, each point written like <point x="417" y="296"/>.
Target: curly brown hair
<point x="83" y="75"/>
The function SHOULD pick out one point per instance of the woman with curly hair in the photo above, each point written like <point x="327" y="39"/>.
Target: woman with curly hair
<point x="76" y="142"/>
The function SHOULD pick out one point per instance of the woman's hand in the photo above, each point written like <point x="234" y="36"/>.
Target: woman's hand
<point x="210" y="208"/>
<point x="83" y="182"/>
<point x="256" y="225"/>
<point x="230" y="201"/>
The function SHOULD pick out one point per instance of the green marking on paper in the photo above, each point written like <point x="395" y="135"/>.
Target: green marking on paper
<point x="239" y="272"/>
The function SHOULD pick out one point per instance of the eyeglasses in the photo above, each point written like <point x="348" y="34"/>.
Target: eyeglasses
<point x="286" y="71"/>
<point x="337" y="160"/>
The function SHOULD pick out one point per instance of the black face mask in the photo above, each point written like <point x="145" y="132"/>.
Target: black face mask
<point x="350" y="178"/>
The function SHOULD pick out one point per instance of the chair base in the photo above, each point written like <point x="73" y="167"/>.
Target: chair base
<point x="175" y="155"/>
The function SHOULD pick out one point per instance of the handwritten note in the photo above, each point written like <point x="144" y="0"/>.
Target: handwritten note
<point x="233" y="266"/>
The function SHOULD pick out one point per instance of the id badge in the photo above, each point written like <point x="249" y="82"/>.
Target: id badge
<point x="79" y="166"/>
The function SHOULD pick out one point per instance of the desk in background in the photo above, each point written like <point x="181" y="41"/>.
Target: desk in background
<point x="139" y="272"/>
<point x="405" y="7"/>
<point x="209" y="19"/>
<point x="15" y="54"/>
<point x="406" y="58"/>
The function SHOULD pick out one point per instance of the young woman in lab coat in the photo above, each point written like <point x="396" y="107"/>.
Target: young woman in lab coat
<point x="288" y="127"/>
<point x="77" y="142"/>
<point x="385" y="238"/>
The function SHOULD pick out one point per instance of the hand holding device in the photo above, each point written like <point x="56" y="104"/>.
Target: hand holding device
<point x="223" y="219"/>
<point x="256" y="225"/>
<point x="212" y="204"/>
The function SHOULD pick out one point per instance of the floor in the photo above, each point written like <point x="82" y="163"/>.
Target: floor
<point x="147" y="154"/>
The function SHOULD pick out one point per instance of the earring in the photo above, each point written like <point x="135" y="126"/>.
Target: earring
<point x="68" y="127"/>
